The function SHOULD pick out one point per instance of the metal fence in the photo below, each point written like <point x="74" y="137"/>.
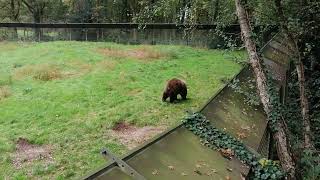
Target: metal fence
<point x="127" y="33"/>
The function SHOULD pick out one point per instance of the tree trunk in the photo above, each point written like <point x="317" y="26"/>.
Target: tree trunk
<point x="15" y="13"/>
<point x="216" y="10"/>
<point x="185" y="11"/>
<point x="37" y="31"/>
<point x="286" y="160"/>
<point x="304" y="106"/>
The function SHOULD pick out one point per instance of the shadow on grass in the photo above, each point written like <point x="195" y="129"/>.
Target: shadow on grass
<point x="180" y="101"/>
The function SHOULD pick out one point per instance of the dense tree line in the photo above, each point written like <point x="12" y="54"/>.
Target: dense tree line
<point x="165" y="11"/>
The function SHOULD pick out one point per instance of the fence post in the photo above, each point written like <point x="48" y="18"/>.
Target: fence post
<point x="70" y="36"/>
<point x="24" y="34"/>
<point x="39" y="37"/>
<point x="97" y="34"/>
<point x="86" y="34"/>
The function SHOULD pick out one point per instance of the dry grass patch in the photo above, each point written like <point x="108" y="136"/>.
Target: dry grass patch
<point x="26" y="153"/>
<point x="106" y="65"/>
<point x="47" y="73"/>
<point x="132" y="136"/>
<point x="82" y="66"/>
<point x="134" y="92"/>
<point x="143" y="53"/>
<point x="4" y="92"/>
<point x="78" y="68"/>
<point x="43" y="72"/>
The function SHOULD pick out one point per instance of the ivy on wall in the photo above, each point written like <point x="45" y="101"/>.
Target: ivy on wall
<point x="214" y="138"/>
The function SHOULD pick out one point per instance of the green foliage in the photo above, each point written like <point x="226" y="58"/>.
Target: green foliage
<point x="309" y="165"/>
<point x="275" y="116"/>
<point x="143" y="11"/>
<point x="215" y="138"/>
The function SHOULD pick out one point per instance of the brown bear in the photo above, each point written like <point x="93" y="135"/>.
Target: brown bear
<point x="174" y="87"/>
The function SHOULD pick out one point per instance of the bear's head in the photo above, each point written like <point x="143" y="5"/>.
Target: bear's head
<point x="165" y="96"/>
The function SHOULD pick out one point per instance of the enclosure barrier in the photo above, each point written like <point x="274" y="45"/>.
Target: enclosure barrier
<point x="199" y="35"/>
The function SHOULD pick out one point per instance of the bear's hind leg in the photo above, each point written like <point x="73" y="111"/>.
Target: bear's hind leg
<point x="173" y="98"/>
<point x="183" y="95"/>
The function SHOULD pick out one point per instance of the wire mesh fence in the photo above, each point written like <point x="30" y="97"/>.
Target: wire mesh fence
<point x="201" y="36"/>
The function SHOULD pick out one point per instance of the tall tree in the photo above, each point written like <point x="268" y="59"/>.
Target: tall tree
<point x="280" y="136"/>
<point x="37" y="9"/>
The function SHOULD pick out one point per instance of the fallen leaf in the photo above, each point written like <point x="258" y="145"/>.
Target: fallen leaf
<point x="228" y="178"/>
<point x="229" y="169"/>
<point x="227" y="153"/>
<point x="198" y="166"/>
<point x="214" y="170"/>
<point x="241" y="135"/>
<point x="204" y="164"/>
<point x="247" y="128"/>
<point x="184" y="174"/>
<point x="171" y="167"/>
<point x="198" y="172"/>
<point x="155" y="172"/>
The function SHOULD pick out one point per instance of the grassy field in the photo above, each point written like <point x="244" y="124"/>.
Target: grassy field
<point x="62" y="98"/>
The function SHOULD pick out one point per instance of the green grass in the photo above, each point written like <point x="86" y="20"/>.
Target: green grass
<point x="68" y="94"/>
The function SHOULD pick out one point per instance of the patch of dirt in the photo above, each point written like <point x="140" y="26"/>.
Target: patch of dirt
<point x="26" y="153"/>
<point x="132" y="136"/>
<point x="143" y="53"/>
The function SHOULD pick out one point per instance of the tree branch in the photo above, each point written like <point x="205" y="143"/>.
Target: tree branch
<point x="31" y="9"/>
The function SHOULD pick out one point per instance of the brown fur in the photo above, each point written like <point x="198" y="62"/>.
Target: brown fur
<point x="174" y="87"/>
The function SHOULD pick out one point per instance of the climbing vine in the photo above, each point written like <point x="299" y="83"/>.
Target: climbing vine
<point x="276" y="112"/>
<point x="216" y="139"/>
